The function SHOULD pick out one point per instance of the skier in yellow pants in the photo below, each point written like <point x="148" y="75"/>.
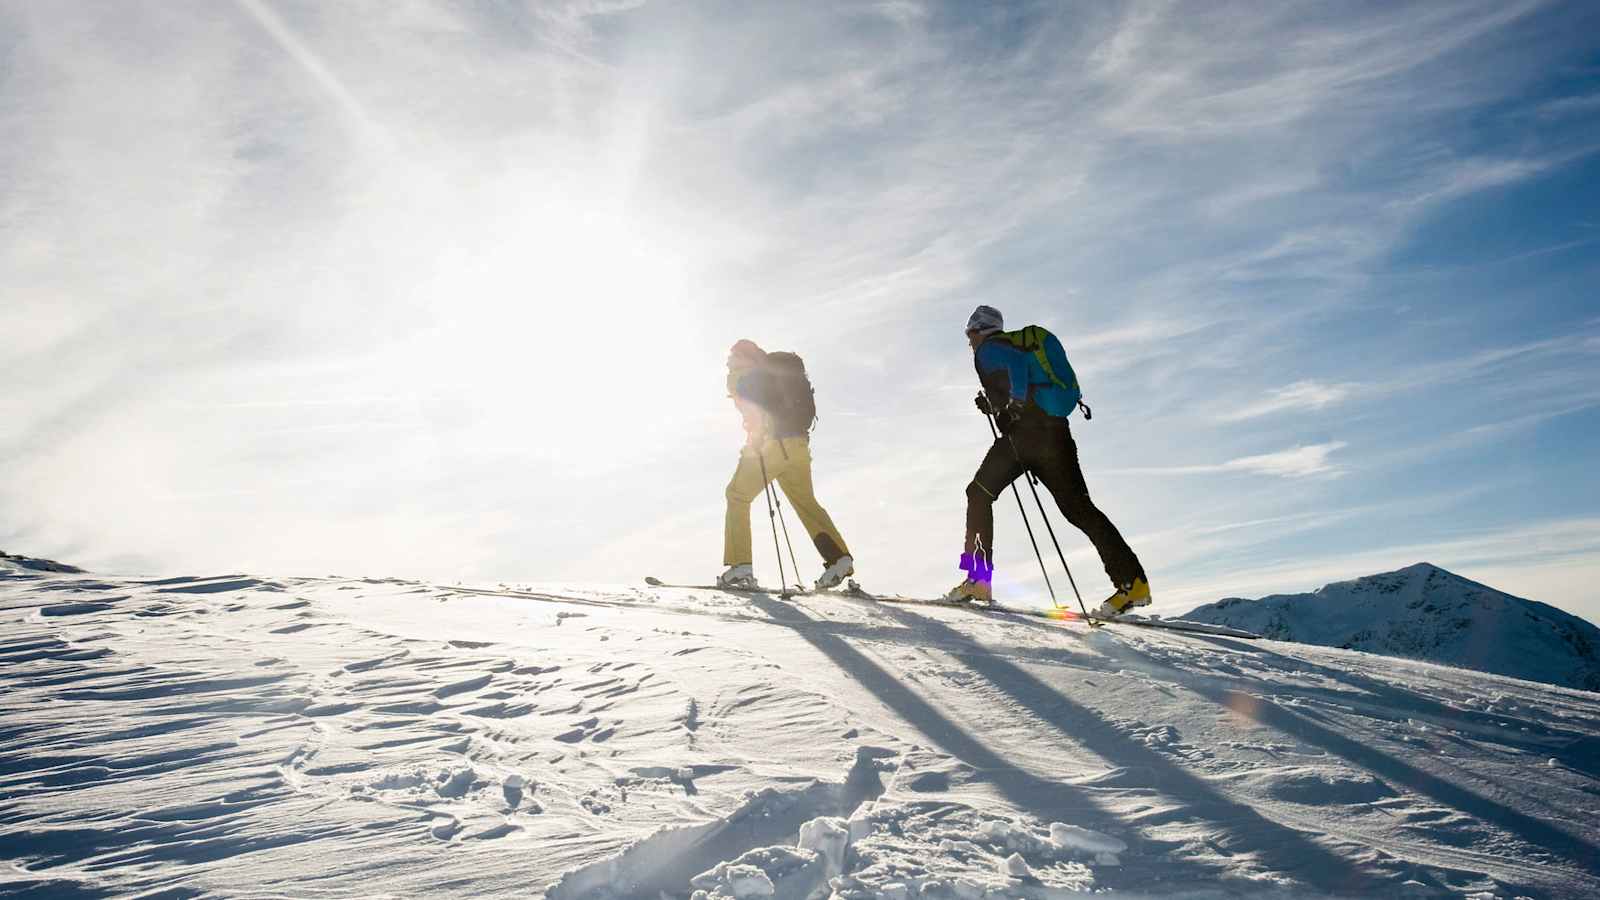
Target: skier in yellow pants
<point x="774" y="395"/>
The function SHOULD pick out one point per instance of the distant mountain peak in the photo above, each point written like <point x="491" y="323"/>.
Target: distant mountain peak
<point x="1428" y="613"/>
<point x="38" y="565"/>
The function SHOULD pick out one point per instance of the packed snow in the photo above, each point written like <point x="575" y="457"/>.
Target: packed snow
<point x="242" y="735"/>
<point x="1427" y="613"/>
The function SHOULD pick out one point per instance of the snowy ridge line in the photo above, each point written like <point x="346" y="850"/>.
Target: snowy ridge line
<point x="1061" y="614"/>
<point x="851" y="590"/>
<point x="795" y="591"/>
<point x="531" y="595"/>
<point x="548" y="597"/>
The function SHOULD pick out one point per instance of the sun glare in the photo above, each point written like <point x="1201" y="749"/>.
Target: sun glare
<point x="554" y="304"/>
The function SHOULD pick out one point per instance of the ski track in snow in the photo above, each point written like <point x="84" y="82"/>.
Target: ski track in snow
<point x="377" y="737"/>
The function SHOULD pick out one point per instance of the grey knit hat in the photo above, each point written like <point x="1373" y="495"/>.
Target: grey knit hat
<point x="985" y="320"/>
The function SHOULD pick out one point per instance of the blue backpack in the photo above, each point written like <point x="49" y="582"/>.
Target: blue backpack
<point x="1047" y="349"/>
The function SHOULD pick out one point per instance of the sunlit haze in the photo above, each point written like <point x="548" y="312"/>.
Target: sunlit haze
<point x="445" y="290"/>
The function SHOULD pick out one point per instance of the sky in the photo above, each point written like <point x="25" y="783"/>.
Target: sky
<point x="445" y="290"/>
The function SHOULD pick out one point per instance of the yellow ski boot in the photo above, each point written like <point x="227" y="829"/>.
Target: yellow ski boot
<point x="1126" y="598"/>
<point x="969" y="591"/>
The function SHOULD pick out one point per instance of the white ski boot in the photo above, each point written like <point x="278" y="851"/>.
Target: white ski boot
<point x="834" y="575"/>
<point x="741" y="577"/>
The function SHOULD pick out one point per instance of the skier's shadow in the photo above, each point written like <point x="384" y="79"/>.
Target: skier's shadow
<point x="1049" y="800"/>
<point x="1242" y="829"/>
<point x="1539" y="834"/>
<point x="1575" y="749"/>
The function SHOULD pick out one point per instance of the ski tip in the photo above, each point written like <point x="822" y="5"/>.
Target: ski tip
<point x="654" y="581"/>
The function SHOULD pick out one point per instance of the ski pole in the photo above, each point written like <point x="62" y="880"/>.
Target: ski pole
<point x="1052" y="532"/>
<point x="1017" y="494"/>
<point x="772" y="519"/>
<point x="784" y="521"/>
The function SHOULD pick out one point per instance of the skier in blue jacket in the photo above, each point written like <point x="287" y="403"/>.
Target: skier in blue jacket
<point x="1030" y="389"/>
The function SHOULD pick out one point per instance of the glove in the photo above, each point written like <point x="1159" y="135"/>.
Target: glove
<point x="982" y="402"/>
<point x="1007" y="416"/>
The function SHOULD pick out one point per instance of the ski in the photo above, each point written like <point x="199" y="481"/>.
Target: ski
<point x="852" y="589"/>
<point x="776" y="592"/>
<point x="1144" y="622"/>
<point x="848" y="589"/>
<point x="1066" y="615"/>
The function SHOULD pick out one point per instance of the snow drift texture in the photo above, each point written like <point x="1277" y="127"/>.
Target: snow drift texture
<point x="1424" y="612"/>
<point x="246" y="736"/>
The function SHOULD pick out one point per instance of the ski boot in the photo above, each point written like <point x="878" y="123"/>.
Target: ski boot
<point x="835" y="574"/>
<point x="970" y="591"/>
<point x="1126" y="598"/>
<point x="740" y="577"/>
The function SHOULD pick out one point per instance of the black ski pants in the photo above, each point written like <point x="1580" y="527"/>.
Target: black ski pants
<point x="1043" y="445"/>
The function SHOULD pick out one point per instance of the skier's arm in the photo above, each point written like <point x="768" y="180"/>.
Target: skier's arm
<point x="756" y="387"/>
<point x="1003" y="373"/>
<point x="748" y="390"/>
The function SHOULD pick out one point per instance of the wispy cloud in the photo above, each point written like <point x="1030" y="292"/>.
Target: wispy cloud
<point x="1302" y="395"/>
<point x="1561" y="107"/>
<point x="1461" y="177"/>
<point x="1296" y="462"/>
<point x="1299" y="462"/>
<point x="1500" y="367"/>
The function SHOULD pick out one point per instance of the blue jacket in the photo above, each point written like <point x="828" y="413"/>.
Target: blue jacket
<point x="1006" y="369"/>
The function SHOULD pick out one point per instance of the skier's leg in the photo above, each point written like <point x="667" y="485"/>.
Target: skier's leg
<point x="797" y="486"/>
<point x="743" y="488"/>
<point x="998" y="469"/>
<point x="1058" y="468"/>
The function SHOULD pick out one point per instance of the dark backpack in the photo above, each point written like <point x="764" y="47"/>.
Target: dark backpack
<point x="794" y="402"/>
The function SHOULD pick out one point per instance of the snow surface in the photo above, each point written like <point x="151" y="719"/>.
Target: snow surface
<point x="331" y="737"/>
<point x="1427" y="613"/>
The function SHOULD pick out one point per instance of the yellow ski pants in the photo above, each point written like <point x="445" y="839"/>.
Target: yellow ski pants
<point x="789" y="464"/>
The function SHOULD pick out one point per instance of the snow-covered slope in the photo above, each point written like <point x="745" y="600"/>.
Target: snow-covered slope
<point x="1424" y="612"/>
<point x="249" y="736"/>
